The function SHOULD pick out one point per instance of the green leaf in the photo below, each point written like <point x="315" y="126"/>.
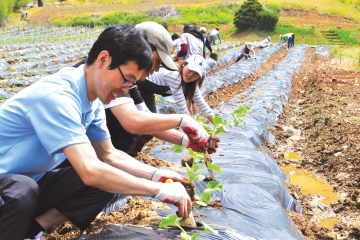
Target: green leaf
<point x="214" y="167"/>
<point x="177" y="148"/>
<point x="195" y="236"/>
<point x="201" y="119"/>
<point x="199" y="177"/>
<point x="208" y="229"/>
<point x="217" y="120"/>
<point x="219" y="130"/>
<point x="170" y="220"/>
<point x="201" y="203"/>
<point x="184" y="236"/>
<point x="200" y="156"/>
<point x="215" y="185"/>
<point x="188" y="171"/>
<point x="206" y="195"/>
<point x="192" y="153"/>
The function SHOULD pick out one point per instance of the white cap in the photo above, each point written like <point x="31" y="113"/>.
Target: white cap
<point x="249" y="45"/>
<point x="268" y="38"/>
<point x="203" y="29"/>
<point x="197" y="63"/>
<point x="160" y="38"/>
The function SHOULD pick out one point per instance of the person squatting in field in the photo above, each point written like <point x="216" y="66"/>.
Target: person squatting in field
<point x="61" y="117"/>
<point x="245" y="52"/>
<point x="266" y="42"/>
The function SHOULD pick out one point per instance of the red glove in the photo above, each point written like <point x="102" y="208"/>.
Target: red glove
<point x="176" y="194"/>
<point x="196" y="146"/>
<point x="193" y="129"/>
<point x="161" y="175"/>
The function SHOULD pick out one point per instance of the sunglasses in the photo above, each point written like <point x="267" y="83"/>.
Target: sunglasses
<point x="126" y="83"/>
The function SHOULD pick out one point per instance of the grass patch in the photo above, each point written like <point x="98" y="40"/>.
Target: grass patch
<point x="347" y="52"/>
<point x="348" y="37"/>
<point x="211" y="16"/>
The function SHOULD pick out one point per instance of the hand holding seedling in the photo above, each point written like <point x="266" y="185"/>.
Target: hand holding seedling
<point x="176" y="194"/>
<point x="161" y="175"/>
<point x="193" y="129"/>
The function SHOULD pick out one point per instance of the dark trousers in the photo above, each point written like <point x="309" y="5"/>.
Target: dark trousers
<point x="62" y="189"/>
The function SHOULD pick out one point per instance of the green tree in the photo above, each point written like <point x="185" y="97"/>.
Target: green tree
<point x="268" y="20"/>
<point x="252" y="14"/>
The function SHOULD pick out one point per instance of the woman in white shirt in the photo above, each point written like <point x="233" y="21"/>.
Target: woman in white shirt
<point x="182" y="84"/>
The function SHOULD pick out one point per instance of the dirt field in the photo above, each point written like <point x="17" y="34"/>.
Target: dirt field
<point x="324" y="106"/>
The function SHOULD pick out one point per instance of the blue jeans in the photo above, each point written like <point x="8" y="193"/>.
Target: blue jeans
<point x="290" y="42"/>
<point x="239" y="57"/>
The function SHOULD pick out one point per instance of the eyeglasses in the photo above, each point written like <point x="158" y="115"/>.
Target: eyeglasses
<point x="126" y="83"/>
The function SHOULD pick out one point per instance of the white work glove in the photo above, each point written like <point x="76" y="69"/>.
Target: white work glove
<point x="176" y="194"/>
<point x="161" y="175"/>
<point x="193" y="129"/>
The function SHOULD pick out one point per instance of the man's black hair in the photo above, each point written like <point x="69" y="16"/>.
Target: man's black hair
<point x="188" y="27"/>
<point x="124" y="43"/>
<point x="175" y="36"/>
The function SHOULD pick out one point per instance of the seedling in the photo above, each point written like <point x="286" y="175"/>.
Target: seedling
<point x="239" y="113"/>
<point x="173" y="220"/>
<point x="194" y="172"/>
<point x="212" y="186"/>
<point x="177" y="148"/>
<point x="219" y="124"/>
<point x="197" y="155"/>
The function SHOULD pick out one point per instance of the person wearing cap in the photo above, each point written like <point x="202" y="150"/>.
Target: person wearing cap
<point x="207" y="43"/>
<point x="128" y="116"/>
<point x="289" y="38"/>
<point x="182" y="85"/>
<point x="265" y="43"/>
<point x="62" y="117"/>
<point x="245" y="52"/>
<point x="213" y="34"/>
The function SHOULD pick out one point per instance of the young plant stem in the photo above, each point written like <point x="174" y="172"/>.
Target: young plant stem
<point x="208" y="160"/>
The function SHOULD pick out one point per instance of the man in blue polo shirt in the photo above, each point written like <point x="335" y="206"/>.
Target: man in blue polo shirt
<point x="62" y="117"/>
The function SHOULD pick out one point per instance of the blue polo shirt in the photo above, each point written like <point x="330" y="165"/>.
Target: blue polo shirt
<point x="38" y="122"/>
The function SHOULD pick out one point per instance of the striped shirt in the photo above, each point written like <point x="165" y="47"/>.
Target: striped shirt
<point x="173" y="80"/>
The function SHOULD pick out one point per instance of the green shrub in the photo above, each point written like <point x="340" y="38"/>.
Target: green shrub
<point x="247" y="16"/>
<point x="252" y="14"/>
<point x="267" y="20"/>
<point x="20" y="3"/>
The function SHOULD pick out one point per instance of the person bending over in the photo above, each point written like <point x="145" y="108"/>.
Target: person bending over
<point x="245" y="52"/>
<point x="61" y="117"/>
